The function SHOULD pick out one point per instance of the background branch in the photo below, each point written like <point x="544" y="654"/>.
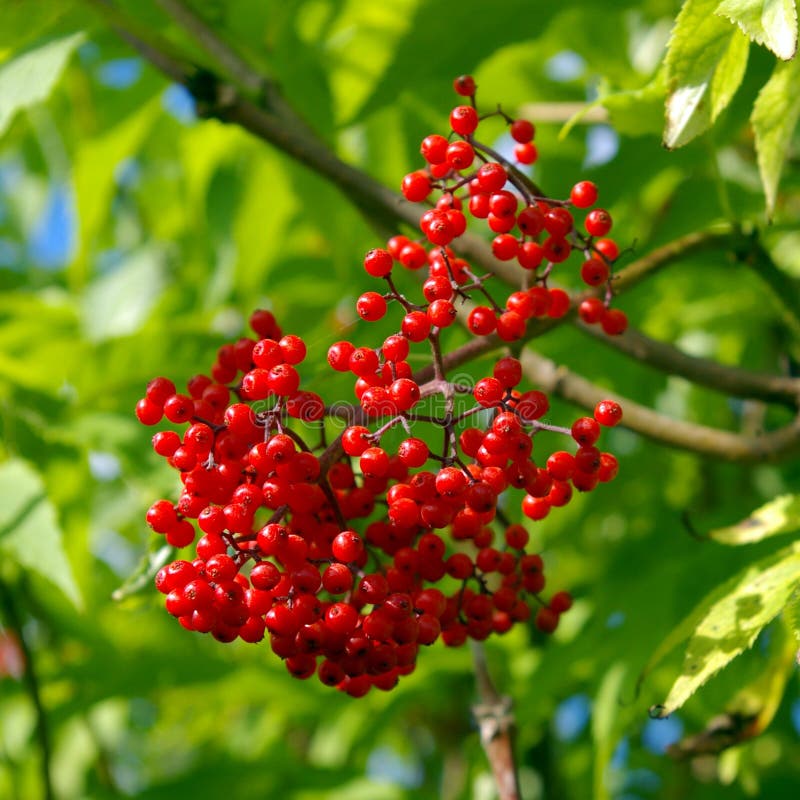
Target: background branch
<point x="689" y="436"/>
<point x="495" y="719"/>
<point x="31" y="680"/>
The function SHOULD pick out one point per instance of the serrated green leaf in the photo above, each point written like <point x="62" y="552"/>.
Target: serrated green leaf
<point x="727" y="622"/>
<point x="728" y="74"/>
<point x="29" y="78"/>
<point x="29" y="531"/>
<point x="774" y="118"/>
<point x="780" y="515"/>
<point x="118" y="303"/>
<point x="772" y="23"/>
<point x="703" y="70"/>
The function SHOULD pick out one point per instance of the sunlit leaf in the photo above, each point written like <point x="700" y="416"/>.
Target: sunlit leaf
<point x="705" y="65"/>
<point x="29" y="78"/>
<point x="728" y="621"/>
<point x="780" y="515"/>
<point x="118" y="303"/>
<point x="29" y="531"/>
<point x="774" y="118"/>
<point x="772" y="23"/>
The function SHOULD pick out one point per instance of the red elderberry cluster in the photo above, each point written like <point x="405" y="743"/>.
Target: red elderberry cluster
<point x="469" y="178"/>
<point x="352" y="555"/>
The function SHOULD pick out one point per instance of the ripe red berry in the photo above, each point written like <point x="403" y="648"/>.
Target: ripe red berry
<point x="608" y="248"/>
<point x="378" y="262"/>
<point x="492" y="177"/>
<point x="594" y="272"/>
<point x="416" y="186"/>
<point x="481" y="321"/>
<point x="464" y="85"/>
<point x="559" y="303"/>
<point x="591" y="310"/>
<point x="464" y="120"/>
<point x="583" y="194"/>
<point x="526" y="153"/>
<point x="339" y="355"/>
<point x="522" y="131"/>
<point x="434" y="148"/>
<point x="614" y="322"/>
<point x="371" y="306"/>
<point x="598" y="222"/>
<point x="608" y="413"/>
<point x="460" y="155"/>
<point x="488" y="391"/>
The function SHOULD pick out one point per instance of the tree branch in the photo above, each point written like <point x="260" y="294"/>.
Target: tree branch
<point x="495" y="724"/>
<point x="703" y="440"/>
<point x="655" y="260"/>
<point x="702" y="371"/>
<point x="31" y="680"/>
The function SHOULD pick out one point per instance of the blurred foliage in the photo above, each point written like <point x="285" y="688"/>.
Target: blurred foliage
<point x="135" y="239"/>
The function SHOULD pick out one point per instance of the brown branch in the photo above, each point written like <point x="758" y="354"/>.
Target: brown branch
<point x="729" y="380"/>
<point x="668" y="253"/>
<point x="694" y="438"/>
<point x="495" y="719"/>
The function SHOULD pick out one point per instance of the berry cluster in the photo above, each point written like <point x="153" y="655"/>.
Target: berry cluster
<point x="353" y="554"/>
<point x="537" y="232"/>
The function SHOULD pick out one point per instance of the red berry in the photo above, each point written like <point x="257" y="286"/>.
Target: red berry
<point x="505" y="247"/>
<point x="460" y="155"/>
<point x="583" y="194"/>
<point x="416" y="186"/>
<point x="371" y="306"/>
<point x="559" y="303"/>
<point x="607" y="248"/>
<point x="608" y="413"/>
<point x="488" y="391"/>
<point x="585" y="431"/>
<point x="526" y="153"/>
<point x="492" y="177"/>
<point x="464" y="85"/>
<point x="598" y="222"/>
<point x="594" y="272"/>
<point x="591" y="310"/>
<point x="434" y="148"/>
<point x="481" y="321"/>
<point x="522" y="131"/>
<point x="614" y="322"/>
<point x="464" y="120"/>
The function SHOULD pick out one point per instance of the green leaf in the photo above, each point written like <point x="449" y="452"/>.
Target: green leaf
<point x="605" y="725"/>
<point x="705" y="64"/>
<point x="727" y="622"/>
<point x="772" y="23"/>
<point x="774" y="118"/>
<point x="638" y="111"/>
<point x="94" y="177"/>
<point x="29" y="531"/>
<point x="29" y="78"/>
<point x="117" y="304"/>
<point x="780" y="515"/>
